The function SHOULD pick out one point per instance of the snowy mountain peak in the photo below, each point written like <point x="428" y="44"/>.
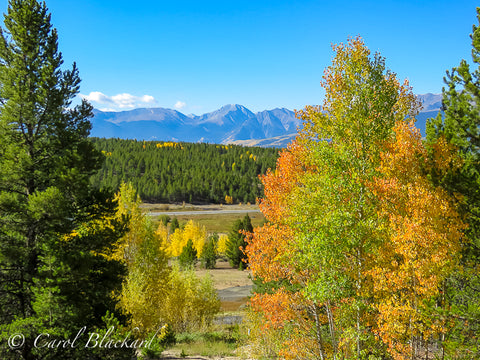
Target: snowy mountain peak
<point x="231" y="123"/>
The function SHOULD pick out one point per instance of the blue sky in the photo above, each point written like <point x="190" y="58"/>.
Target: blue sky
<point x="197" y="56"/>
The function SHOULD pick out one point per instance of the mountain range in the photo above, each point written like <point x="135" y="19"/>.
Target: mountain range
<point x="229" y="124"/>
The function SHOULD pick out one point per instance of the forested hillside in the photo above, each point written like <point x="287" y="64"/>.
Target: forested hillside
<point x="174" y="172"/>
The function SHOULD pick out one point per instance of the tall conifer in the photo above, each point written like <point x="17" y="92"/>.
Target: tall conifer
<point x="54" y="278"/>
<point x="460" y="126"/>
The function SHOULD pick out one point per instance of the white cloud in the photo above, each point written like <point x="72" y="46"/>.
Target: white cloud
<point x="148" y="99"/>
<point x="97" y="96"/>
<point x="180" y="105"/>
<point x="124" y="100"/>
<point x="121" y="101"/>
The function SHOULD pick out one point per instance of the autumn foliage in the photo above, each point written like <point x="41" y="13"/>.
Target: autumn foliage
<point x="357" y="241"/>
<point x="423" y="233"/>
<point x="153" y="292"/>
<point x="173" y="244"/>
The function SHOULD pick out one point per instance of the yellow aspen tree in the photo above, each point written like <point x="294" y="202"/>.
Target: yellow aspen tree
<point x="163" y="236"/>
<point x="222" y="243"/>
<point x="129" y="208"/>
<point x="144" y="286"/>
<point x="178" y="240"/>
<point x="197" y="233"/>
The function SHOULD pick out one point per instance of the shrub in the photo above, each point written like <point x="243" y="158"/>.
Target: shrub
<point x="191" y="302"/>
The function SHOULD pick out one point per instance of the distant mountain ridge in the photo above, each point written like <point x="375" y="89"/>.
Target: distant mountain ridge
<point x="230" y="124"/>
<point x="225" y="125"/>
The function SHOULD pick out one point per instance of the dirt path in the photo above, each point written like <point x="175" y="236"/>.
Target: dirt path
<point x="233" y="286"/>
<point x="225" y="277"/>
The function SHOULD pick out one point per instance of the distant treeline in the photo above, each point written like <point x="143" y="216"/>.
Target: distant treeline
<point x="191" y="172"/>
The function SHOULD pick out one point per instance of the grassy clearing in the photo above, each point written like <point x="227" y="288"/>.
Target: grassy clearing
<point x="219" y="342"/>
<point x="221" y="223"/>
<point x="233" y="305"/>
<point x="224" y="276"/>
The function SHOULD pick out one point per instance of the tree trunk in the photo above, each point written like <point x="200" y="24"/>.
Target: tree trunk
<point x="318" y="332"/>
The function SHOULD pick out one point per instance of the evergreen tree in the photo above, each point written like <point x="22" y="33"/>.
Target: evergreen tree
<point x="188" y="257"/>
<point x="174" y="225"/>
<point x="209" y="252"/>
<point x="54" y="228"/>
<point x="164" y="219"/>
<point x="460" y="127"/>
<point x="236" y="242"/>
<point x="247" y="223"/>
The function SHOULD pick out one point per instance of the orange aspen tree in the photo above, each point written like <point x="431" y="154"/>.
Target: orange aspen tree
<point x="423" y="233"/>
<point x="285" y="312"/>
<point x="325" y="231"/>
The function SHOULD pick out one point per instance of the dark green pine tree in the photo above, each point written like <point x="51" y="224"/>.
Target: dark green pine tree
<point x="188" y="257"/>
<point x="460" y="126"/>
<point x="54" y="230"/>
<point x="174" y="225"/>
<point x="236" y="242"/>
<point x="209" y="252"/>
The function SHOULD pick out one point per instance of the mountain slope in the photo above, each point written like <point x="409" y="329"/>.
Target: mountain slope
<point x="227" y="124"/>
<point x="230" y="124"/>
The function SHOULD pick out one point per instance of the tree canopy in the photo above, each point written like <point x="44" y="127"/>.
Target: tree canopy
<point x="176" y="172"/>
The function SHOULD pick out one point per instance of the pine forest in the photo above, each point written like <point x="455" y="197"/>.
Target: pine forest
<point x="176" y="172"/>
